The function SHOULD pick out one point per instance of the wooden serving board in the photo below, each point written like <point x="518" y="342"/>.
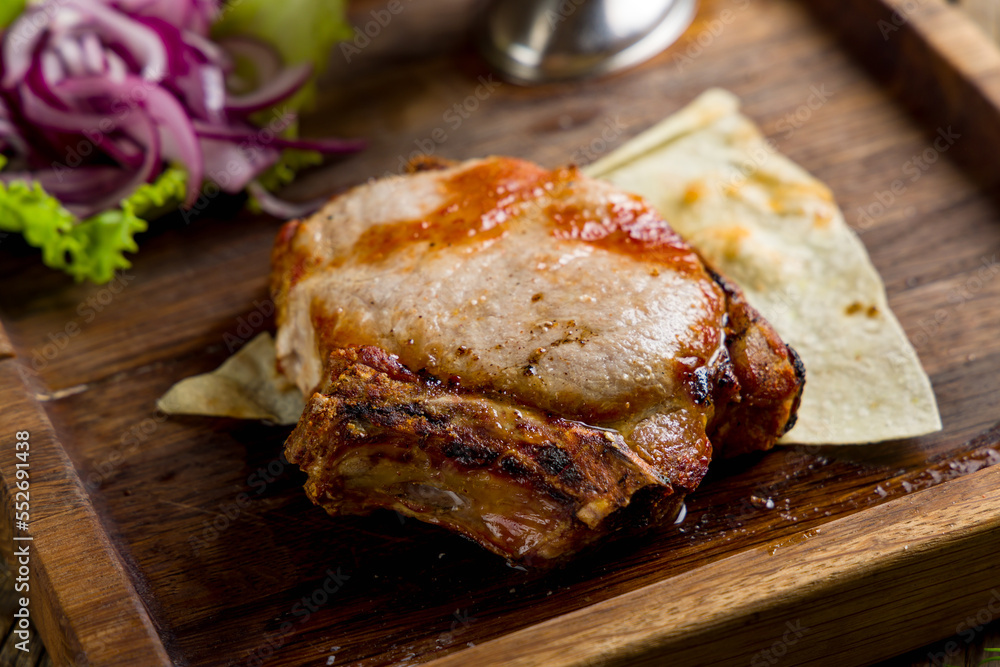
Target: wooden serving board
<point x="189" y="541"/>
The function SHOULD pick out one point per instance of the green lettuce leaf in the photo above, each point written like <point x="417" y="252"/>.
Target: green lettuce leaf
<point x="301" y="31"/>
<point x="9" y="10"/>
<point x="291" y="162"/>
<point x="41" y="219"/>
<point x="91" y="249"/>
<point x="161" y="196"/>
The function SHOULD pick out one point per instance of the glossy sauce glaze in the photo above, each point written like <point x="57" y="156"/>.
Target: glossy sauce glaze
<point x="479" y="202"/>
<point x="602" y="266"/>
<point x="483" y="201"/>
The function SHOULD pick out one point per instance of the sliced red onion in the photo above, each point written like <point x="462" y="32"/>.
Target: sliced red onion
<point x="53" y="70"/>
<point x="136" y="38"/>
<point x="47" y="116"/>
<point x="264" y="58"/>
<point x="232" y="167"/>
<point x="20" y="43"/>
<point x="280" y="208"/>
<point x="192" y="15"/>
<point x="113" y="89"/>
<point x="122" y="149"/>
<point x="323" y="145"/>
<point x="173" y="46"/>
<point x="71" y="56"/>
<point x="93" y="54"/>
<point x="209" y="51"/>
<point x="259" y="136"/>
<point x="229" y="132"/>
<point x="10" y="136"/>
<point x="176" y="134"/>
<point x="213" y="84"/>
<point x="117" y="69"/>
<point x="283" y="85"/>
<point x="142" y="130"/>
<point x="84" y="206"/>
<point x="73" y="186"/>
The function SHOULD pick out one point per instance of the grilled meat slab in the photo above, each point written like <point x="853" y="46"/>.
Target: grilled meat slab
<point x="516" y="354"/>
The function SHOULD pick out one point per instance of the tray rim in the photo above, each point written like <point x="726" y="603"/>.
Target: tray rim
<point x="73" y="618"/>
<point x="954" y="50"/>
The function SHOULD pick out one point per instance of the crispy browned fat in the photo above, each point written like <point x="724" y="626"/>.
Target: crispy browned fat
<point x="531" y="358"/>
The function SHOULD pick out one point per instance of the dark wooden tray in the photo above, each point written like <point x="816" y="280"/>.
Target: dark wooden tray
<point x="189" y="541"/>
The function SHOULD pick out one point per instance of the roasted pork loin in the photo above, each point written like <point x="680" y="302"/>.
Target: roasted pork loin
<point x="531" y="358"/>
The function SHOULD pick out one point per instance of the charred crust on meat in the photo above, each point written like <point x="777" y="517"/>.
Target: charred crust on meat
<point x="552" y="459"/>
<point x="792" y="418"/>
<point x="758" y="398"/>
<point x="800" y="368"/>
<point x="512" y="467"/>
<point x="726" y="379"/>
<point x="720" y="281"/>
<point x="556" y="461"/>
<point x="470" y="455"/>
<point x="373" y="411"/>
<point x="701" y="386"/>
<point x="800" y="374"/>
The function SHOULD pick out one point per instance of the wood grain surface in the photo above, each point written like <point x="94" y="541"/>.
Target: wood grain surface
<point x="985" y="13"/>
<point x="189" y="540"/>
<point x="807" y="599"/>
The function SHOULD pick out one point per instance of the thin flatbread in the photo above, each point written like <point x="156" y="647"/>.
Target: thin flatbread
<point x="246" y="386"/>
<point x="775" y="230"/>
